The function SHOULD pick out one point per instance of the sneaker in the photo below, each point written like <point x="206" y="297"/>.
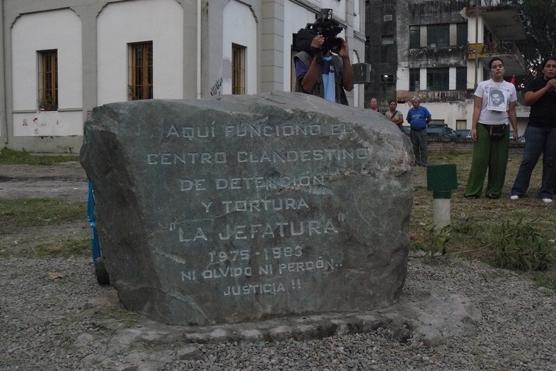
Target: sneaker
<point x="514" y="197"/>
<point x="547" y="200"/>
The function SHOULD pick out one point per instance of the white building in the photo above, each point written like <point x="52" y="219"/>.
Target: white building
<point x="61" y="58"/>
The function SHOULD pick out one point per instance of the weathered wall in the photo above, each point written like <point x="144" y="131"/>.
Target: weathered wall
<point x="126" y="22"/>
<point x="435" y="11"/>
<point x="106" y="26"/>
<point x="43" y="31"/>
<point x="298" y="17"/>
<point x="450" y="105"/>
<point x="240" y="27"/>
<point x="61" y="131"/>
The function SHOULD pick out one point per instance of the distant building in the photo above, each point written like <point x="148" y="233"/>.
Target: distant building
<point x="61" y="58"/>
<point x="439" y="50"/>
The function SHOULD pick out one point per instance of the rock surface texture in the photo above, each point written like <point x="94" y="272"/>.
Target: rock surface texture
<point x="243" y="208"/>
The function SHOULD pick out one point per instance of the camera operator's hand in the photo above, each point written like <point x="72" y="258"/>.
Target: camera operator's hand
<point x="344" y="50"/>
<point x="317" y="42"/>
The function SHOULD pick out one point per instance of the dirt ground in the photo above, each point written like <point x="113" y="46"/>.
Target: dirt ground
<point x="65" y="181"/>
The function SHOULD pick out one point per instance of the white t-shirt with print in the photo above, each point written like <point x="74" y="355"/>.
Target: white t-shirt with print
<point x="497" y="97"/>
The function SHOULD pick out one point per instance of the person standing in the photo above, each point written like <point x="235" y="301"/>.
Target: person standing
<point x="323" y="73"/>
<point x="373" y="104"/>
<point x="494" y="105"/>
<point x="540" y="94"/>
<point x="418" y="118"/>
<point x="393" y="114"/>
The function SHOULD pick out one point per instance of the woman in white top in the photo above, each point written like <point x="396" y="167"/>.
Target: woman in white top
<point x="494" y="105"/>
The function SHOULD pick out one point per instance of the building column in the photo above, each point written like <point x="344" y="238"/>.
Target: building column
<point x="272" y="45"/>
<point x="211" y="50"/>
<point x="190" y="30"/>
<point x="423" y="79"/>
<point x="452" y="78"/>
<point x="88" y="15"/>
<point x="4" y="137"/>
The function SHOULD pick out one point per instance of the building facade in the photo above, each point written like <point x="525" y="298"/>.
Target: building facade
<point x="439" y="50"/>
<point x="61" y="58"/>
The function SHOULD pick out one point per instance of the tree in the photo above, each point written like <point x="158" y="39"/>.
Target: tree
<point x="539" y="19"/>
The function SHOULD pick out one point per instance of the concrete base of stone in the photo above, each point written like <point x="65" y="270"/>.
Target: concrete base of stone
<point x="298" y="328"/>
<point x="432" y="316"/>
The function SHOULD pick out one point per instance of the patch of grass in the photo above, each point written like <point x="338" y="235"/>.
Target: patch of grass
<point x="435" y="241"/>
<point x="545" y="279"/>
<point x="10" y="156"/>
<point x="71" y="239"/>
<point x="519" y="245"/>
<point x="21" y="213"/>
<point x="66" y="247"/>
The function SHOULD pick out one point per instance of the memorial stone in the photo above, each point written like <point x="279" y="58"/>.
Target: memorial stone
<point x="242" y="208"/>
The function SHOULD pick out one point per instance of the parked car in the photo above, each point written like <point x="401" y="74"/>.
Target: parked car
<point x="463" y="133"/>
<point x="441" y="132"/>
<point x="437" y="131"/>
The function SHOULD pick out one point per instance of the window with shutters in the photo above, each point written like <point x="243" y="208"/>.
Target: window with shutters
<point x="414" y="79"/>
<point x="140" y="70"/>
<point x="414" y="37"/>
<point x="461" y="124"/>
<point x="438" y="36"/>
<point x="438" y="79"/>
<point x="461" y="78"/>
<point x="48" y="80"/>
<point x="461" y="30"/>
<point x="238" y="69"/>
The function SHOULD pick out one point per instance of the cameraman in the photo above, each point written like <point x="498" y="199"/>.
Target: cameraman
<point x="323" y="73"/>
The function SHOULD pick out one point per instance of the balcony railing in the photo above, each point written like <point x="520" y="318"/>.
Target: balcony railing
<point x="435" y="95"/>
<point x="486" y="51"/>
<point x="493" y="3"/>
<point x="453" y="53"/>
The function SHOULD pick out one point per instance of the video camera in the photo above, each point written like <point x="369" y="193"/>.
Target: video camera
<point x="324" y="25"/>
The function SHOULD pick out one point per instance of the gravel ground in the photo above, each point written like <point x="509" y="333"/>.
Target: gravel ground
<point x="53" y="316"/>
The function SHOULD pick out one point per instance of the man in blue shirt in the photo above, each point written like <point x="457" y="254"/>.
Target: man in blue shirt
<point x="418" y="118"/>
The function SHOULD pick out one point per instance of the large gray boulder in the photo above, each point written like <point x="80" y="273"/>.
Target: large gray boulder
<point x="248" y="207"/>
